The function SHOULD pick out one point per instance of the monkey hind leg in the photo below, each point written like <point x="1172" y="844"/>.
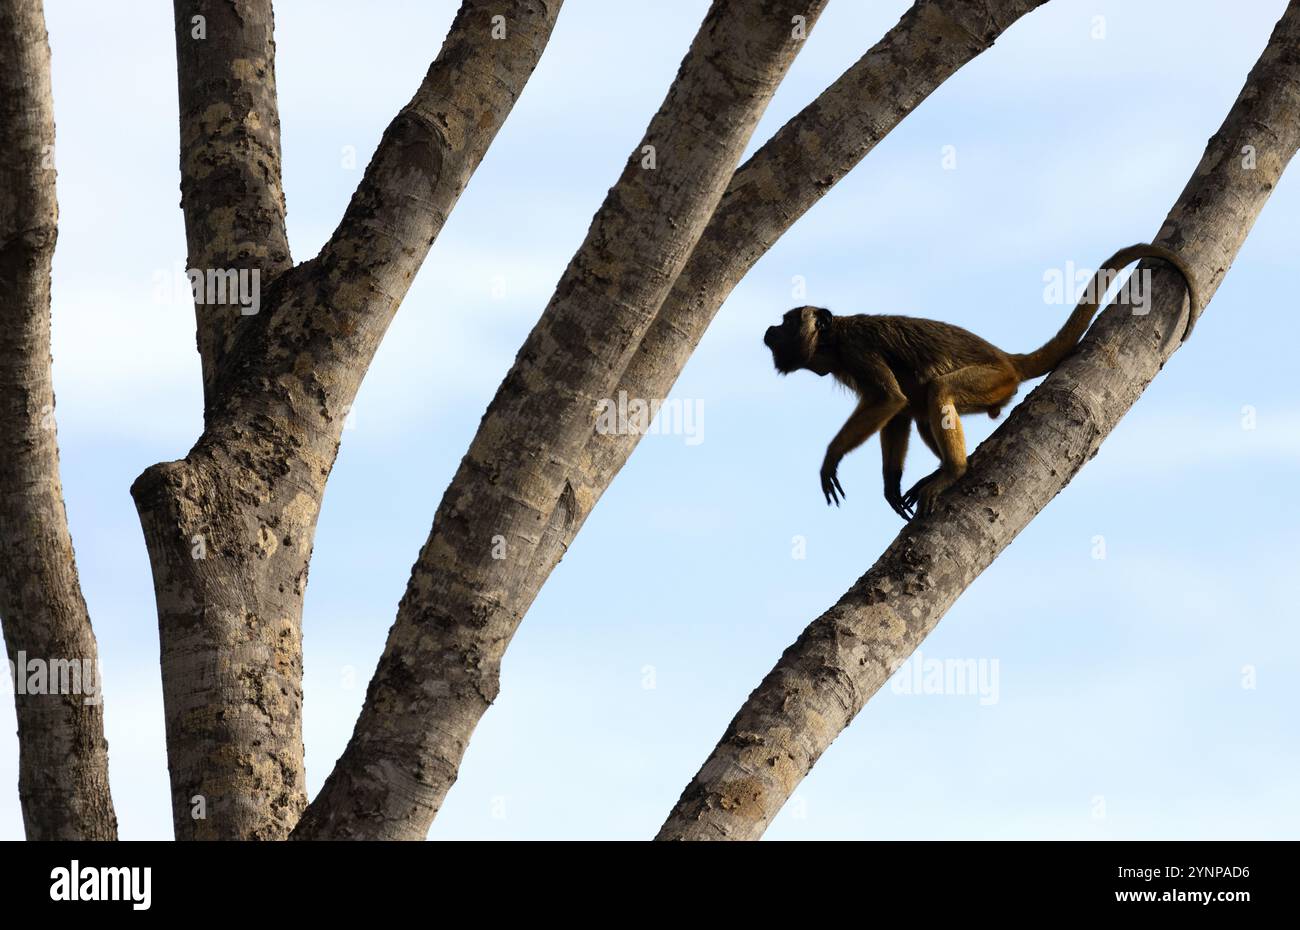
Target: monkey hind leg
<point x="966" y="390"/>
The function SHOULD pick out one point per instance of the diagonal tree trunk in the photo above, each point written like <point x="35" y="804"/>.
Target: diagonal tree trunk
<point x="63" y="756"/>
<point x="230" y="527"/>
<point x="848" y="653"/>
<point x="457" y="678"/>
<point x="514" y="496"/>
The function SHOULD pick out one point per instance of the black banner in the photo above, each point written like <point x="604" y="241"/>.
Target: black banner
<point x="137" y="880"/>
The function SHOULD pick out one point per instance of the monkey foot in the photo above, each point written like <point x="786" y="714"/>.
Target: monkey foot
<point x="924" y="495"/>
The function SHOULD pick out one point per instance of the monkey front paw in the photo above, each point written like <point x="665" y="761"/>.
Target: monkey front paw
<point x="924" y="495"/>
<point x="831" y="486"/>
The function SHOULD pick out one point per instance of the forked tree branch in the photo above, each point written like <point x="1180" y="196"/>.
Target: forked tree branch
<point x="62" y="753"/>
<point x="330" y="313"/>
<point x="230" y="527"/>
<point x="514" y="493"/>
<point x="848" y="653"/>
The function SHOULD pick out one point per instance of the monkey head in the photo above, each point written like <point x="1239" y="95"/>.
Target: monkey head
<point x="801" y="340"/>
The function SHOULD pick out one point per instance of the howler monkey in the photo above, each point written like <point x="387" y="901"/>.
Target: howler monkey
<point x="905" y="369"/>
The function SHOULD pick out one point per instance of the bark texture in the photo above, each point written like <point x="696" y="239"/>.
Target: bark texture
<point x="505" y="518"/>
<point x="846" y="654"/>
<point x="63" y="756"/>
<point x="231" y="191"/>
<point x="229" y="528"/>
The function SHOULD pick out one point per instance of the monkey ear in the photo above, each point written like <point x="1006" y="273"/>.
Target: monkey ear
<point x="823" y="317"/>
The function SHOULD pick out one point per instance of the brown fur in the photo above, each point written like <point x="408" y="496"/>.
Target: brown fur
<point x="904" y="370"/>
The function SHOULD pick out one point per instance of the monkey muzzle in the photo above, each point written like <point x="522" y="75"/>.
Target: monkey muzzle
<point x="781" y="356"/>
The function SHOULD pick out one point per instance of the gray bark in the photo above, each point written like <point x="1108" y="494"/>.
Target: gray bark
<point x="847" y="654"/>
<point x="231" y="191"/>
<point x="229" y="528"/>
<point x="63" y="756"/>
<point x="504" y="520"/>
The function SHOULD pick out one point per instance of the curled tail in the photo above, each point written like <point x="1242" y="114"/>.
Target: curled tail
<point x="1052" y="352"/>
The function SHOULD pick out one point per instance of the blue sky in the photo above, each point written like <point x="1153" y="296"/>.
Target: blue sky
<point x="1120" y="711"/>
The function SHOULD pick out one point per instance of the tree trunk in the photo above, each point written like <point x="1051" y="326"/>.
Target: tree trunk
<point x="63" y="756"/>
<point x="514" y="496"/>
<point x="229" y="528"/>
<point x="848" y="653"/>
